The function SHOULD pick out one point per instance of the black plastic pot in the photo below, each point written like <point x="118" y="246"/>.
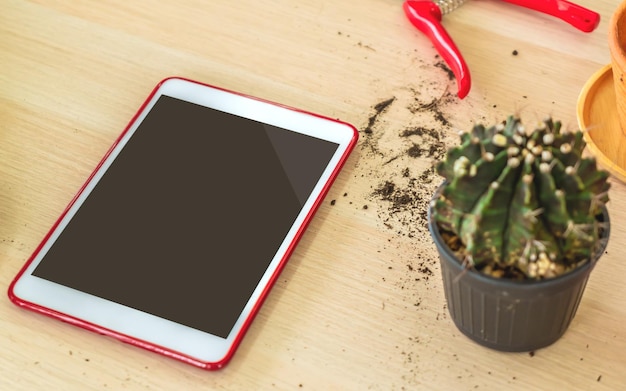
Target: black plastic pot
<point x="510" y="315"/>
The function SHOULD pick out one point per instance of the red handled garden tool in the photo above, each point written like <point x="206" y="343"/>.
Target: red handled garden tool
<point x="426" y="16"/>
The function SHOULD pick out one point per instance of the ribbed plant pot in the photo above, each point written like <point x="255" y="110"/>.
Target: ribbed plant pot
<point x="510" y="315"/>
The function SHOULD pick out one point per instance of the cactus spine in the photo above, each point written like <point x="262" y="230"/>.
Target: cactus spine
<point x="522" y="202"/>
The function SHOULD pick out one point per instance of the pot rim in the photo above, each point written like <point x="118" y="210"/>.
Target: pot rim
<point x="586" y="267"/>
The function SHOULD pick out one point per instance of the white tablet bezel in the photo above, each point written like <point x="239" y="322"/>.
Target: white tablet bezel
<point x="149" y="331"/>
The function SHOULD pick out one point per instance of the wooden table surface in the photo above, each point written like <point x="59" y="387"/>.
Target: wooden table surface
<point x="360" y="305"/>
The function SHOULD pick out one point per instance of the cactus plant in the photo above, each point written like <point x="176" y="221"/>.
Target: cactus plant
<point x="521" y="202"/>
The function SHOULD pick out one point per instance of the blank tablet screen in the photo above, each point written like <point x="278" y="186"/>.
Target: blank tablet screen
<point x="187" y="218"/>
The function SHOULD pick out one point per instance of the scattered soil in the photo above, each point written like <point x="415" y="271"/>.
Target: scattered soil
<point x="403" y="135"/>
<point x="442" y="65"/>
<point x="407" y="152"/>
<point x="379" y="108"/>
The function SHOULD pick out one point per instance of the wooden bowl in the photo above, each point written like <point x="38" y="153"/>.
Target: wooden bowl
<point x="598" y="115"/>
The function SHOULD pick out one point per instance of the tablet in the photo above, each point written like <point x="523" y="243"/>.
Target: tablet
<point x="176" y="238"/>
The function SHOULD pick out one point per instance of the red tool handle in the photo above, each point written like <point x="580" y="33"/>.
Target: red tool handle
<point x="426" y="17"/>
<point x="580" y="17"/>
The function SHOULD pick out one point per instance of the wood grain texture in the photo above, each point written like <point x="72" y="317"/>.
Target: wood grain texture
<point x="360" y="305"/>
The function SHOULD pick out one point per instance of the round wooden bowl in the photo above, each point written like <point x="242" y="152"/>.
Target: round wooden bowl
<point x="602" y="103"/>
<point x="598" y="117"/>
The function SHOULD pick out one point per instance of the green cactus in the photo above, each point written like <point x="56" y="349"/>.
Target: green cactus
<point x="523" y="202"/>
